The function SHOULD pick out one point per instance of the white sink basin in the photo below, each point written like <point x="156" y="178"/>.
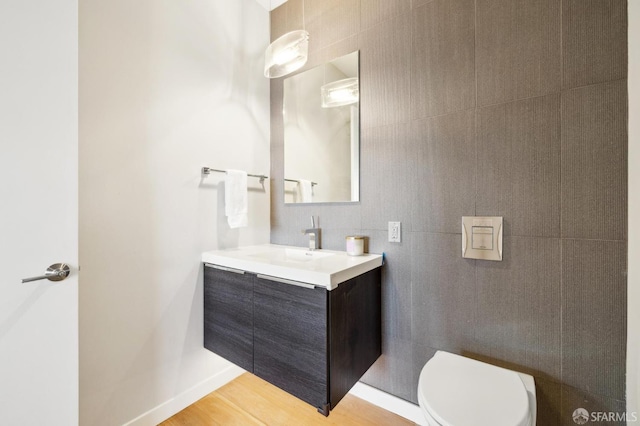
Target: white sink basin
<point x="292" y="255"/>
<point x="325" y="268"/>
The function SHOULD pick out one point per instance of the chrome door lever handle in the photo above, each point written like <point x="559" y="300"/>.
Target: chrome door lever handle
<point x="55" y="272"/>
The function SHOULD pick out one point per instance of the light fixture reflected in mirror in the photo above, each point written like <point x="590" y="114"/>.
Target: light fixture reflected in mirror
<point x="286" y="54"/>
<point x="341" y="92"/>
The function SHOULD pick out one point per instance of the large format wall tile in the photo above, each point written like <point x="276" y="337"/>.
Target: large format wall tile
<point x="331" y="52"/>
<point x="277" y="194"/>
<point x="375" y="11"/>
<point x="334" y="239"/>
<point x="519" y="306"/>
<point x="442" y="65"/>
<point x="336" y="216"/>
<point x="384" y="169"/>
<point x="443" y="309"/>
<point x="396" y="283"/>
<point x="332" y="217"/>
<point x="384" y="73"/>
<point x="519" y="165"/>
<point x="277" y="119"/>
<point x="421" y="354"/>
<point x="548" y="402"/>
<point x="392" y="372"/>
<point x="329" y="21"/>
<point x="417" y="3"/>
<point x="459" y="116"/>
<point x="517" y="49"/>
<point x="573" y="399"/>
<point x="285" y="18"/>
<point x="594" y="159"/>
<point x="446" y="179"/>
<point x="594" y="41"/>
<point x="594" y="300"/>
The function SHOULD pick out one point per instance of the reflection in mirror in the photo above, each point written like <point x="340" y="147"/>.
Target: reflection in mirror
<point x="322" y="133"/>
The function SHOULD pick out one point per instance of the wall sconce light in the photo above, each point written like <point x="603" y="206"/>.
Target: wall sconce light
<point x="341" y="92"/>
<point x="286" y="54"/>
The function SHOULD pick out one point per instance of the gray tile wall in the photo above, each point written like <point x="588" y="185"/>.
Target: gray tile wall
<point x="514" y="108"/>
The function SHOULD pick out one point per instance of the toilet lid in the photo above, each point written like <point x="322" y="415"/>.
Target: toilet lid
<point x="458" y="391"/>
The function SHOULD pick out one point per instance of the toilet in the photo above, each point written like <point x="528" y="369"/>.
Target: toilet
<point x="457" y="391"/>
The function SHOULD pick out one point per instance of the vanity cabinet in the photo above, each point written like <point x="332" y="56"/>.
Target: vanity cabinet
<point x="228" y="315"/>
<point x="290" y="339"/>
<point x="307" y="340"/>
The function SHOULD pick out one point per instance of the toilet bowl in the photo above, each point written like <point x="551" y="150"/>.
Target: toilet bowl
<point x="458" y="391"/>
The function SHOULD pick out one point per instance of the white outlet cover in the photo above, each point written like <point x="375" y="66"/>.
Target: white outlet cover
<point x="395" y="232"/>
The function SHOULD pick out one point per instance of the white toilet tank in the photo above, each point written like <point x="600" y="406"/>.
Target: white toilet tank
<point x="454" y="390"/>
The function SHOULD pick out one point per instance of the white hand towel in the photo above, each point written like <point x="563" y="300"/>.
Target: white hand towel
<point x="235" y="198"/>
<point x="306" y="191"/>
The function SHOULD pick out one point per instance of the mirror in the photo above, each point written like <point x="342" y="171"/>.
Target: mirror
<point x="321" y="111"/>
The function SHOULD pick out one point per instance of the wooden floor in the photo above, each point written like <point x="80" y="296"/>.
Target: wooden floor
<point x="249" y="400"/>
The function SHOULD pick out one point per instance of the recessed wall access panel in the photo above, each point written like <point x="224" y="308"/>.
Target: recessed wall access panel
<point x="482" y="237"/>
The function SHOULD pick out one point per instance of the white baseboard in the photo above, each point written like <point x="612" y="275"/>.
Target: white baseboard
<point x="180" y="402"/>
<point x="389" y="402"/>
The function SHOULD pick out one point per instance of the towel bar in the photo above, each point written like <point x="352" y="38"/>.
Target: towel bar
<point x="297" y="181"/>
<point x="208" y="170"/>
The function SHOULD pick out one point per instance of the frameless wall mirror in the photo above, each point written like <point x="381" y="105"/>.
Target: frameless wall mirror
<point x="322" y="133"/>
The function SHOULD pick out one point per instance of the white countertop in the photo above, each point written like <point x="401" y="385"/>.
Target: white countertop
<point x="325" y="268"/>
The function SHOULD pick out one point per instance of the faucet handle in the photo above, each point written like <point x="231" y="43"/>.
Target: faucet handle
<point x="313" y="222"/>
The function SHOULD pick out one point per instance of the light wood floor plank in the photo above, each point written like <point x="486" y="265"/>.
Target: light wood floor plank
<point x="249" y="400"/>
<point x="213" y="410"/>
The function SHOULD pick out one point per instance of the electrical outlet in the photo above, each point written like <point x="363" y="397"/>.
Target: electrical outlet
<point x="395" y="232"/>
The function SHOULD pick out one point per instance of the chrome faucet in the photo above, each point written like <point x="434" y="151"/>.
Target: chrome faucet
<point x="314" y="235"/>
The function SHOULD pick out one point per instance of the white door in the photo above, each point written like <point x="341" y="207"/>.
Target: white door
<point x="38" y="211"/>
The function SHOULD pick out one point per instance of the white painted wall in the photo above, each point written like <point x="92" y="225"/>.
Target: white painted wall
<point x="633" y="283"/>
<point x="165" y="88"/>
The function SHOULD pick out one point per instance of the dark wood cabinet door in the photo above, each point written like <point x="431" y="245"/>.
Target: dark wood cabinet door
<point x="228" y="315"/>
<point x="290" y="339"/>
<point x="355" y="331"/>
